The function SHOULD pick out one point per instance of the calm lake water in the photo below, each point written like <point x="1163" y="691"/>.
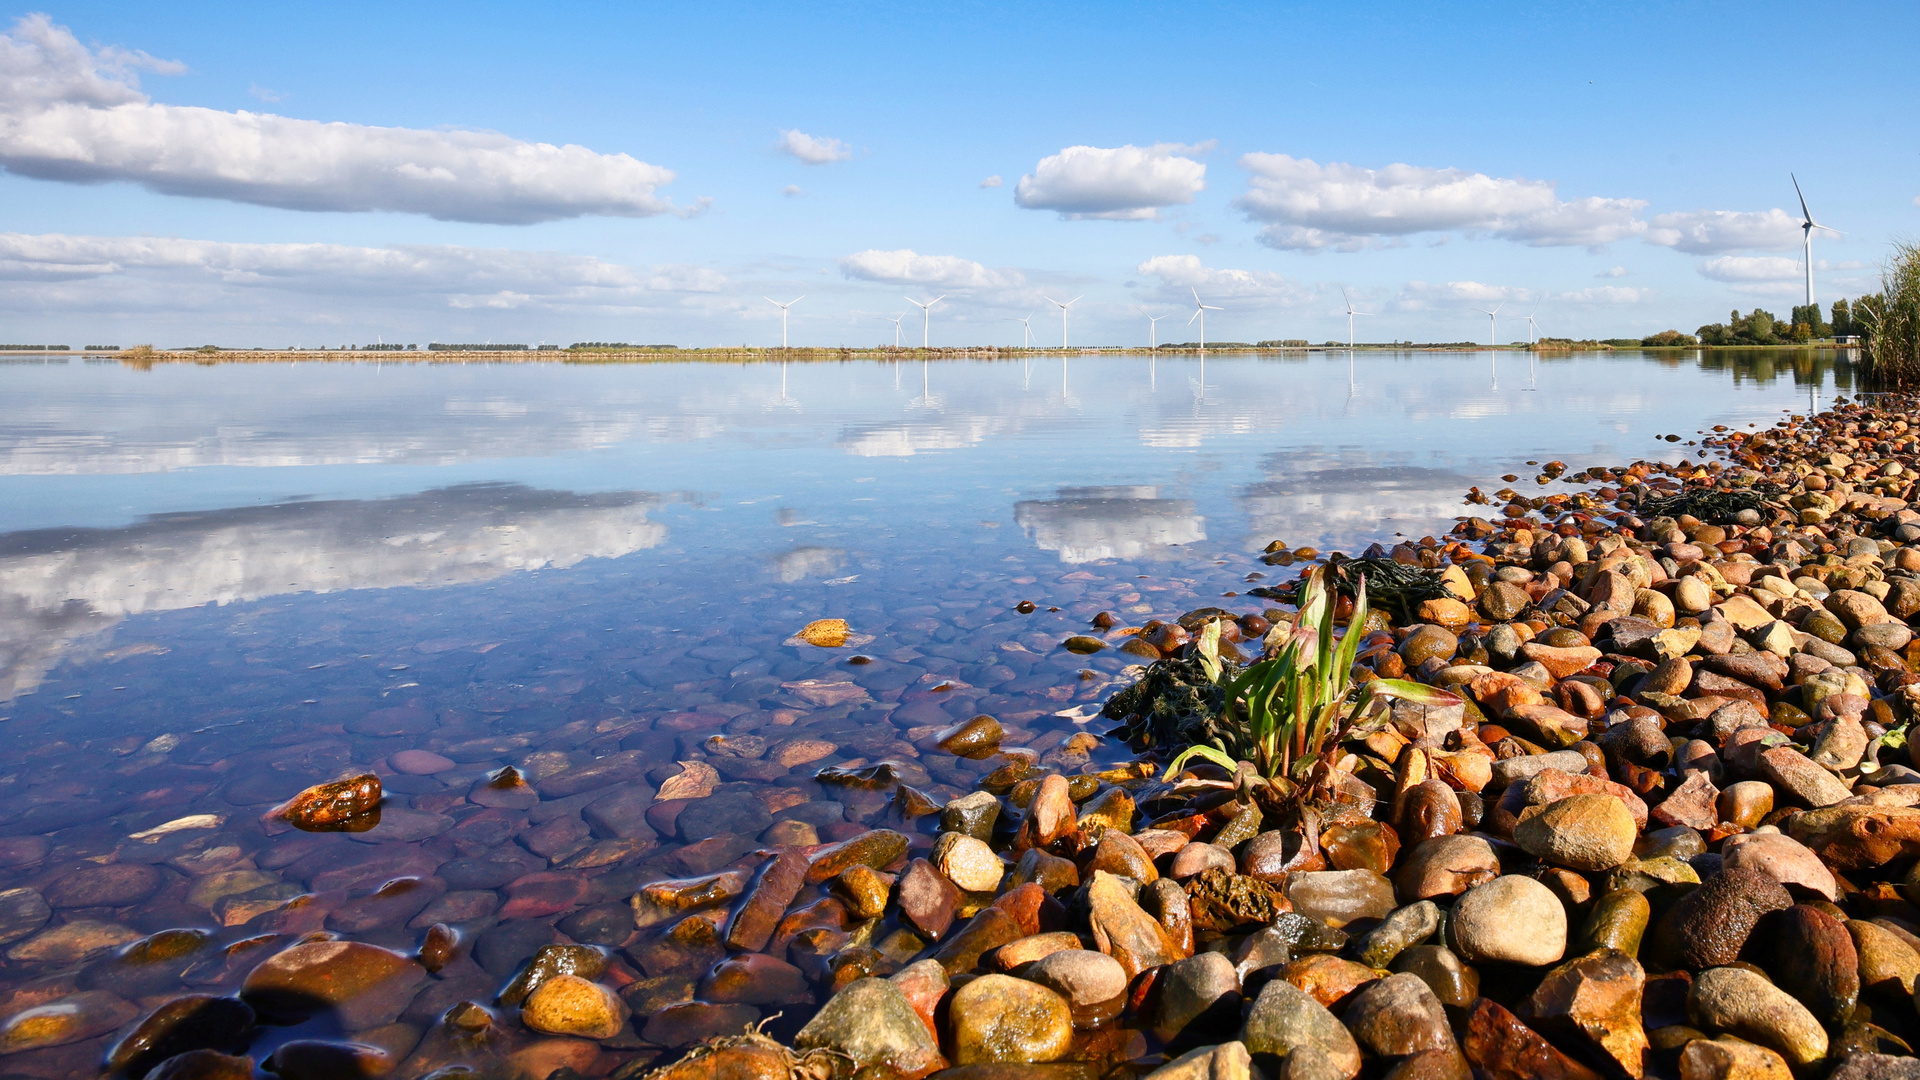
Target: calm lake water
<point x="222" y="584"/>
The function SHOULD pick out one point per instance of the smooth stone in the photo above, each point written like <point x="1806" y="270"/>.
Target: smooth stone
<point x="1406" y="927"/>
<point x="872" y="1022"/>
<point x="318" y="1059"/>
<point x="1454" y="983"/>
<point x="1889" y="966"/>
<point x="551" y="962"/>
<point x="22" y="911"/>
<point x="1398" y="1016"/>
<point x="1509" y="920"/>
<point x="1708" y="926"/>
<point x="1121" y="855"/>
<point x="998" y="1018"/>
<point x="69" y="1019"/>
<point x="1617" y="921"/>
<point x="1123" y="930"/>
<point x="926" y="899"/>
<point x="1731" y="1059"/>
<point x="1781" y="858"/>
<point x="1876" y="1067"/>
<point x="1284" y="1021"/>
<point x="1083" y="977"/>
<point x="1810" y="955"/>
<point x="976" y="738"/>
<point x="1446" y="866"/>
<point x="72" y="941"/>
<point x="191" y="1022"/>
<point x="1227" y="1061"/>
<point x="1328" y="979"/>
<point x="114" y="885"/>
<point x="1739" y="1002"/>
<point x="571" y="1005"/>
<point x="1195" y="1000"/>
<point x="419" y="762"/>
<point x="318" y="975"/>
<point x="1198" y="857"/>
<point x="1580" y="832"/>
<point x="968" y="862"/>
<point x="337" y="806"/>
<point x="972" y="815"/>
<point x="1338" y="897"/>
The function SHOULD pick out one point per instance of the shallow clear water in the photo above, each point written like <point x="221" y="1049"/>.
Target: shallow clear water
<point x="246" y="562"/>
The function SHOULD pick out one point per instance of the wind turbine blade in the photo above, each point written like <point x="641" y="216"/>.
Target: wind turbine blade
<point x="1823" y="228"/>
<point x="1195" y="315"/>
<point x="1077" y="299"/>
<point x="936" y="299"/>
<point x="1805" y="214"/>
<point x="1196" y="294"/>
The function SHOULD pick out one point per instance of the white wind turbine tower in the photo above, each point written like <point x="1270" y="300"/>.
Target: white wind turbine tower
<point x="1153" y="331"/>
<point x="1026" y="332"/>
<point x="783" y="314"/>
<point x="896" y="327"/>
<point x="926" y="318"/>
<point x="1807" y="225"/>
<point x="1493" y="325"/>
<point x="1350" y="314"/>
<point x="1200" y="312"/>
<point x="1063" y="314"/>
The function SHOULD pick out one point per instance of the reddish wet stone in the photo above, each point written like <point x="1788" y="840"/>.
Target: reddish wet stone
<point x="989" y="929"/>
<point x="753" y="979"/>
<point x="113" y="885"/>
<point x="339" y="806"/>
<point x="927" y="899"/>
<point x="878" y="848"/>
<point x="1502" y="1048"/>
<point x="756" y="918"/>
<point x="543" y="893"/>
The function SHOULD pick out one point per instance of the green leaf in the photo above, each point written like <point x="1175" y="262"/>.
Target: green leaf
<point x="1416" y="693"/>
<point x="1209" y="647"/>
<point x="1218" y="757"/>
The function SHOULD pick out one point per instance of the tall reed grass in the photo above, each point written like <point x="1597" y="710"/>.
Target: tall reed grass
<point x="1892" y="322"/>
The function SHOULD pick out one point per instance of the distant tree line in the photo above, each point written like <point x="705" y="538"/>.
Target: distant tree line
<point x="621" y="345"/>
<point x="437" y="346"/>
<point x="35" y="348"/>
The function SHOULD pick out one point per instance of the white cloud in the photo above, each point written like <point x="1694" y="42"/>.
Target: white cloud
<point x="264" y="94"/>
<point x="1618" y="271"/>
<point x="1419" y="295"/>
<point x="1603" y="294"/>
<point x="1743" y="268"/>
<point x="1182" y="275"/>
<point x="790" y="190"/>
<point x="813" y="149"/>
<point x="1308" y="206"/>
<point x="1712" y="232"/>
<point x="995" y="181"/>
<point x="1122" y="183"/>
<point x="73" y="114"/>
<point x="907" y="267"/>
<point x="117" y="274"/>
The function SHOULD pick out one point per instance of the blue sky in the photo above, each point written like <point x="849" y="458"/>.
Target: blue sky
<point x="1616" y="165"/>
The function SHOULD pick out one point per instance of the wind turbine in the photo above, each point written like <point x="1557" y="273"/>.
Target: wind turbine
<point x="783" y="314"/>
<point x="1350" y="314"/>
<point x="926" y="318"/>
<point x="1063" y="314"/>
<point x="1807" y="225"/>
<point x="896" y="327"/>
<point x="1493" y="324"/>
<point x="1533" y="352"/>
<point x="1026" y="332"/>
<point x="1533" y="328"/>
<point x="1200" y="312"/>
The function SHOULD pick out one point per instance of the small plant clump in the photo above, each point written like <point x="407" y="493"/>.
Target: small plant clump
<point x="1283" y="715"/>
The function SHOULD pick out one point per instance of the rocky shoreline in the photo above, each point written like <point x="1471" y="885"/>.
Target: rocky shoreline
<point x="1669" y="829"/>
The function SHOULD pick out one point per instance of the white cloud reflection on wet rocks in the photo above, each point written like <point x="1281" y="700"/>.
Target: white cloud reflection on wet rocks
<point x="1085" y="524"/>
<point x="61" y="586"/>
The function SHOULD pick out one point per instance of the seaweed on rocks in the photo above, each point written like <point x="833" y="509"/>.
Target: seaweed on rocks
<point x="1389" y="584"/>
<point x="1175" y="704"/>
<point x="1716" y="506"/>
